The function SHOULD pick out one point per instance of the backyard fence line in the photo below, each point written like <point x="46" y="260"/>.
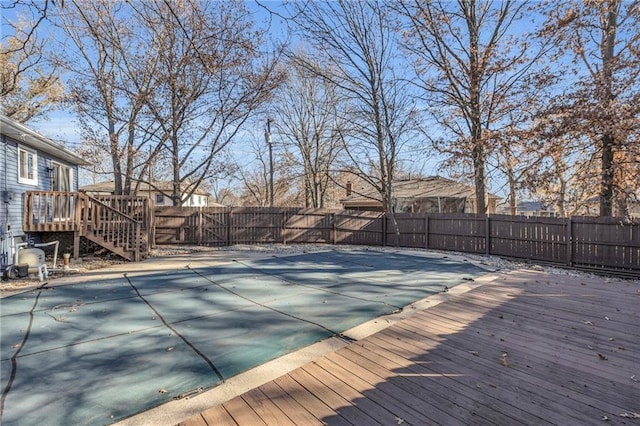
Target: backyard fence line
<point x="584" y="242"/>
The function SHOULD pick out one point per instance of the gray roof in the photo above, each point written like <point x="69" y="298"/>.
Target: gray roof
<point x="160" y="186"/>
<point x="531" y="206"/>
<point x="28" y="137"/>
<point x="427" y="187"/>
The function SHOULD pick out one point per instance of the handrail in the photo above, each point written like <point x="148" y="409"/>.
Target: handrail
<point x="108" y="207"/>
<point x="90" y="217"/>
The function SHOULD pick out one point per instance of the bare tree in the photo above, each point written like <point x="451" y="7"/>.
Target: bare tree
<point x="209" y="82"/>
<point x="39" y="10"/>
<point x="112" y="71"/>
<point x="172" y="80"/>
<point x="29" y="86"/>
<point x="356" y="43"/>
<point x="599" y="42"/>
<point x="255" y="187"/>
<point x="307" y="122"/>
<point x="472" y="69"/>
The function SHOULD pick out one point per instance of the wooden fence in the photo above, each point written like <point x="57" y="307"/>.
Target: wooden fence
<point x="585" y="242"/>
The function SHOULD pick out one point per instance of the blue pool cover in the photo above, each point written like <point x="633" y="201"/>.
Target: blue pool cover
<point x="101" y="351"/>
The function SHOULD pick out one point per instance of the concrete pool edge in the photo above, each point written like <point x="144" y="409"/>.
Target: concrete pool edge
<point x="173" y="412"/>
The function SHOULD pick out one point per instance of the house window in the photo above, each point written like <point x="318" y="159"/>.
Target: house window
<point x="159" y="199"/>
<point x="27" y="167"/>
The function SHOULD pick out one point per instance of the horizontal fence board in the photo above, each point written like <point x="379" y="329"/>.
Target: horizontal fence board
<point x="604" y="243"/>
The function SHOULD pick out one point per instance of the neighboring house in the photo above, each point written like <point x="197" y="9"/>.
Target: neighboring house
<point x="159" y="192"/>
<point x="433" y="194"/>
<point x="529" y="208"/>
<point x="591" y="207"/>
<point x="30" y="162"/>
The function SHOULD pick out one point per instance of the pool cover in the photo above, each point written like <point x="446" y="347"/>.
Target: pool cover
<point x="100" y="351"/>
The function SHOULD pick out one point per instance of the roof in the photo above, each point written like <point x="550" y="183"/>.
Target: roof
<point x="428" y="187"/>
<point x="161" y="186"/>
<point x="531" y="206"/>
<point x="26" y="136"/>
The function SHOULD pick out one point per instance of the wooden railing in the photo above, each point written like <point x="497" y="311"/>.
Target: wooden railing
<point x="117" y="223"/>
<point x="45" y="211"/>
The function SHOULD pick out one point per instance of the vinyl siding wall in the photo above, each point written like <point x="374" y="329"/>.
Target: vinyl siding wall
<point x="11" y="212"/>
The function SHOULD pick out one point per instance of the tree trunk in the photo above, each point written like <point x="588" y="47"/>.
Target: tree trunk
<point x="513" y="204"/>
<point x="479" y="178"/>
<point x="607" y="181"/>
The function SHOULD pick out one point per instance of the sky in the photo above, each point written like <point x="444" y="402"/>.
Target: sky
<point x="62" y="126"/>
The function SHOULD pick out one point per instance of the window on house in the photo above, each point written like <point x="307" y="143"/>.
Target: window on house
<point x="27" y="167"/>
<point x="159" y="198"/>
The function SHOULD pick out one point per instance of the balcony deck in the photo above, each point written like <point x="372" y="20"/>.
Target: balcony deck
<point x="528" y="348"/>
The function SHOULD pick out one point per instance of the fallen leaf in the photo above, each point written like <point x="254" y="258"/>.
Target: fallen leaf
<point x="633" y="378"/>
<point x="399" y="420"/>
<point x="602" y="357"/>
<point x="630" y="415"/>
<point x="504" y="360"/>
<point x="492" y="385"/>
<point x="163" y="391"/>
<point x="605" y="418"/>
<point x="607" y="318"/>
<point x="611" y="339"/>
<point x="588" y="322"/>
<point x="474" y="353"/>
<point x="169" y="349"/>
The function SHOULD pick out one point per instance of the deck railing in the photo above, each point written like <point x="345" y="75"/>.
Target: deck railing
<point x="118" y="223"/>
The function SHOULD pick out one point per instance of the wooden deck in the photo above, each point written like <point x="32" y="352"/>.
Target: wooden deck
<point x="528" y="348"/>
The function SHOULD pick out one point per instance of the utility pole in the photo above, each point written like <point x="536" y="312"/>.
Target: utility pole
<point x="267" y="136"/>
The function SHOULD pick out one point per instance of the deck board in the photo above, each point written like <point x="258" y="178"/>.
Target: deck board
<point x="242" y="413"/>
<point x="445" y="364"/>
<point x="296" y="412"/>
<point x="269" y="412"/>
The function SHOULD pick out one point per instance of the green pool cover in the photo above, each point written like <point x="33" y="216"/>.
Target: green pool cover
<point x="101" y="351"/>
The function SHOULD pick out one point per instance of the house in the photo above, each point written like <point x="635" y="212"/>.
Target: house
<point x="433" y="194"/>
<point x="591" y="207"/>
<point x="30" y="162"/>
<point x="160" y="192"/>
<point x="530" y="208"/>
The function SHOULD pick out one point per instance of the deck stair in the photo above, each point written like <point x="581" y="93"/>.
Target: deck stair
<point x="119" y="224"/>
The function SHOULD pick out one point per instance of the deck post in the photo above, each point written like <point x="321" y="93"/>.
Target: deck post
<point x="76" y="244"/>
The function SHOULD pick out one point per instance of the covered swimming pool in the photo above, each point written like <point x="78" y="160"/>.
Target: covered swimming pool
<point x="103" y="350"/>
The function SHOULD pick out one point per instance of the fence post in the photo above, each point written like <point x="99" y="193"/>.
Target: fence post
<point x="334" y="230"/>
<point x="426" y="231"/>
<point x="284" y="227"/>
<point x="569" y="241"/>
<point x="229" y="226"/>
<point x="199" y="224"/>
<point x="384" y="229"/>
<point x="487" y="237"/>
